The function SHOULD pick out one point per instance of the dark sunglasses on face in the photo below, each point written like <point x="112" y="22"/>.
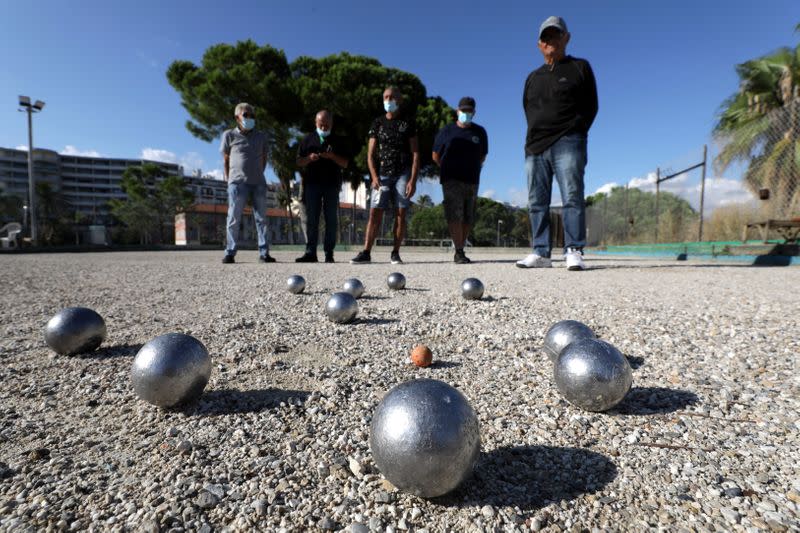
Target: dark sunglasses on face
<point x="248" y="115"/>
<point x="550" y="36"/>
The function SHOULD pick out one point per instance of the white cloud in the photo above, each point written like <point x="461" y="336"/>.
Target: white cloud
<point x="606" y="188"/>
<point x="156" y="154"/>
<point x="71" y="150"/>
<point x="489" y="193"/>
<point x="517" y="197"/>
<point x="190" y="161"/>
<point x="23" y="147"/>
<point x="719" y="191"/>
<point x="215" y="174"/>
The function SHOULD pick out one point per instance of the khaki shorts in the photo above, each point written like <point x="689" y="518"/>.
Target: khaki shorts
<point x="459" y="201"/>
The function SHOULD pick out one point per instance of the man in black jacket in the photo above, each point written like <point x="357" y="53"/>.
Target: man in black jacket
<point x="560" y="102"/>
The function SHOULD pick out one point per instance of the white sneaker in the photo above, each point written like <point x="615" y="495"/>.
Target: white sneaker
<point x="574" y="259"/>
<point x="535" y="261"/>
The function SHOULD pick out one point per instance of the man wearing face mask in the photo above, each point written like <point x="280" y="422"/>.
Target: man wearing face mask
<point x="244" y="154"/>
<point x="393" y="160"/>
<point x="460" y="150"/>
<point x="560" y="102"/>
<point x="320" y="155"/>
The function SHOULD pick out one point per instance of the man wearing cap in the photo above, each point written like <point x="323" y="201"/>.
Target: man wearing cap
<point x="320" y="155"/>
<point x="244" y="155"/>
<point x="560" y="102"/>
<point x="459" y="150"/>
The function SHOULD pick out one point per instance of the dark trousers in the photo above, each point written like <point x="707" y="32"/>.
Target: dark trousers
<point x="319" y="198"/>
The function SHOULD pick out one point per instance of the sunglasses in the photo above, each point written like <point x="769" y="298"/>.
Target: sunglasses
<point x="550" y="36"/>
<point x="248" y="115"/>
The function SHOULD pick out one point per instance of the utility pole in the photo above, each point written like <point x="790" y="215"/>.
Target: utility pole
<point x="25" y="102"/>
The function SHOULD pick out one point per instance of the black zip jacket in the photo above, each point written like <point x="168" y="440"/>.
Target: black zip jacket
<point x="558" y="99"/>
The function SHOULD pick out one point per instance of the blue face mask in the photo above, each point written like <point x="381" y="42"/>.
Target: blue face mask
<point x="323" y="133"/>
<point x="248" y="123"/>
<point x="390" y="106"/>
<point x="465" y="118"/>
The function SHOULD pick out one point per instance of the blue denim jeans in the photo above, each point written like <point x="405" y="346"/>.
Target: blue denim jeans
<point x="395" y="195"/>
<point x="566" y="159"/>
<point x="237" y="197"/>
<point x="321" y="199"/>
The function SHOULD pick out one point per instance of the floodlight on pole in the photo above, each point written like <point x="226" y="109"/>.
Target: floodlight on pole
<point x="25" y="103"/>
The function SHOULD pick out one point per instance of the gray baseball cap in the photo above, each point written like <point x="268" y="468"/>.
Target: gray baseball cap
<point x="553" y="22"/>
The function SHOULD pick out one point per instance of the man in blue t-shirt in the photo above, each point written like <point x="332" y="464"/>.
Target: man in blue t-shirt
<point x="460" y="150"/>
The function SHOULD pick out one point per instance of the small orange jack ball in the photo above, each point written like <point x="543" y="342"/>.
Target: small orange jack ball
<point x="421" y="355"/>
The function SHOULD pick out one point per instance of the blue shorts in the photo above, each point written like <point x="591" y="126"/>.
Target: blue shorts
<point x="391" y="192"/>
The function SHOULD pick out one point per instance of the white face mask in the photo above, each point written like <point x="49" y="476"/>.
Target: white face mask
<point x="248" y="123"/>
<point x="390" y="106"/>
<point x="465" y="118"/>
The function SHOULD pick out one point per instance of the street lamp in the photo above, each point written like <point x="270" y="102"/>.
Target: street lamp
<point x="30" y="108"/>
<point x="498" y="231"/>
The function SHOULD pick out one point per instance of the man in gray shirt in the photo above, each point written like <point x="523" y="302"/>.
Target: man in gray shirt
<point x="244" y="152"/>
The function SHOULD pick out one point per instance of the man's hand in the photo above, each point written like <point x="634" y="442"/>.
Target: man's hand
<point x="376" y="184"/>
<point x="313" y="157"/>
<point x="411" y="188"/>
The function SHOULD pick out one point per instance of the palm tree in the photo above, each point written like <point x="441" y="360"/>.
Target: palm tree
<point x="758" y="125"/>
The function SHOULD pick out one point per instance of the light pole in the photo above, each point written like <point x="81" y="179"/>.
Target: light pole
<point x="498" y="231"/>
<point x="31" y="108"/>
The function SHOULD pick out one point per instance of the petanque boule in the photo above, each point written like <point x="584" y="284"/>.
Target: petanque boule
<point x="592" y="374"/>
<point x="341" y="307"/>
<point x="75" y="330"/>
<point x="354" y="287"/>
<point x="396" y="281"/>
<point x="562" y="334"/>
<point x="296" y="284"/>
<point x="170" y="370"/>
<point x="472" y="289"/>
<point x="424" y="437"/>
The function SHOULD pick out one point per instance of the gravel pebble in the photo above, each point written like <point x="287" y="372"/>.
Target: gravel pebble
<point x="706" y="440"/>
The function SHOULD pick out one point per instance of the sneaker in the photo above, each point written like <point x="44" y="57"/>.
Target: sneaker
<point x="228" y="259"/>
<point x="306" y="258"/>
<point x="535" y="261"/>
<point x="460" y="259"/>
<point x="362" y="257"/>
<point x="574" y="259"/>
<point x="329" y="258"/>
<point x="266" y="259"/>
<point x="396" y="258"/>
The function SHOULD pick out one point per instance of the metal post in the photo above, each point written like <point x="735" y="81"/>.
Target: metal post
<point x="31" y="189"/>
<point x="658" y="190"/>
<point x="702" y="193"/>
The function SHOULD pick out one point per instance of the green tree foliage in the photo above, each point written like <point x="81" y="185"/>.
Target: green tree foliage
<point x="759" y="125"/>
<point x="428" y="223"/>
<point x="153" y="200"/>
<point x="628" y="215"/>
<point x="10" y="208"/>
<point x="288" y="95"/>
<point x="53" y="215"/>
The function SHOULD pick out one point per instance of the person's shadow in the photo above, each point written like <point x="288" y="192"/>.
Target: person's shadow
<point x="531" y="477"/>
<point x="231" y="401"/>
<point x="655" y="400"/>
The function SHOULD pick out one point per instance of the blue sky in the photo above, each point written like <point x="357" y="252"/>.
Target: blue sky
<point x="662" y="68"/>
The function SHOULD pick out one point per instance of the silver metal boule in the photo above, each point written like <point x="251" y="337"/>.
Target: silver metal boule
<point x="562" y="334"/>
<point x="424" y="437"/>
<point x="472" y="289"/>
<point x="296" y="284"/>
<point x="74" y="330"/>
<point x="396" y="281"/>
<point x="341" y="307"/>
<point x="170" y="370"/>
<point x="592" y="374"/>
<point x="354" y="287"/>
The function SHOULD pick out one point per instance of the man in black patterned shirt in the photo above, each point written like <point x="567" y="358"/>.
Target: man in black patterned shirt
<point x="393" y="160"/>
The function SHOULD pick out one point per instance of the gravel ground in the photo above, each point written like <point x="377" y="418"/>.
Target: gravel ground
<point x="707" y="439"/>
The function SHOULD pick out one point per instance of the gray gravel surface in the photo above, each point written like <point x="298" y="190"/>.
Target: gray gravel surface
<point x="707" y="439"/>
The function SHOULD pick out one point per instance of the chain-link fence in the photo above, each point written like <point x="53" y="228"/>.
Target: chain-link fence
<point x="755" y="176"/>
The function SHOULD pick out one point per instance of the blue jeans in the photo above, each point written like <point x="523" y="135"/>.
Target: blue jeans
<point x="566" y="159"/>
<point x="395" y="195"/>
<point x="237" y="197"/>
<point x="321" y="198"/>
